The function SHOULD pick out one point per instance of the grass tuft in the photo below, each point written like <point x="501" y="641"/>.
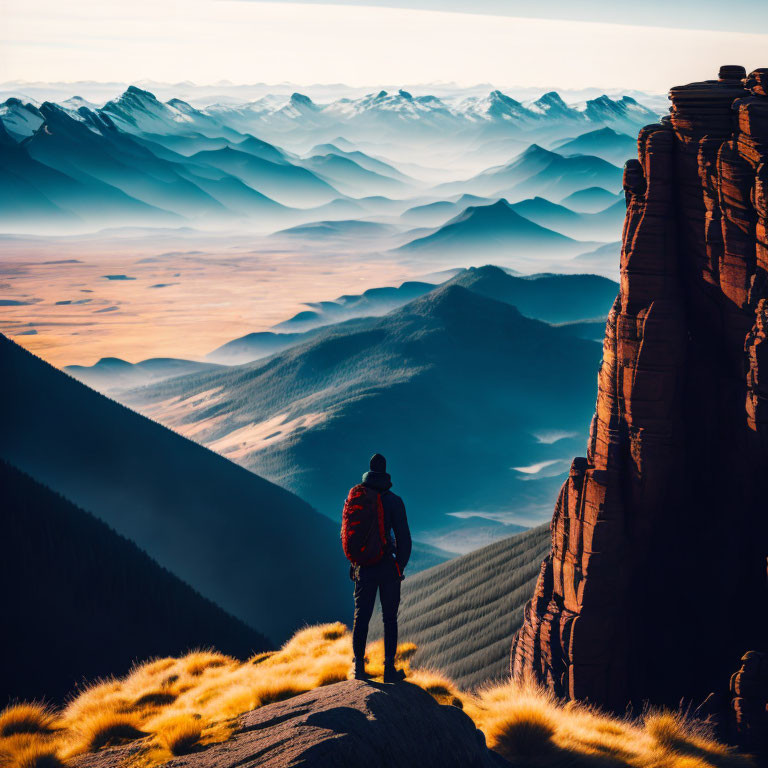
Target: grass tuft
<point x="26" y="718"/>
<point x="109" y="729"/>
<point x="198" y="662"/>
<point x="154" y="699"/>
<point x="280" y="690"/>
<point x="437" y="685"/>
<point x="524" y="732"/>
<point x="334" y="631"/>
<point x="33" y="754"/>
<point x="180" y="734"/>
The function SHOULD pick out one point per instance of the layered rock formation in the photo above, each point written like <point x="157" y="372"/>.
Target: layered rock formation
<point x="656" y="581"/>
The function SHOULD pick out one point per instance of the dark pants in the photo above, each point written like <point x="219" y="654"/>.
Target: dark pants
<point x="388" y="587"/>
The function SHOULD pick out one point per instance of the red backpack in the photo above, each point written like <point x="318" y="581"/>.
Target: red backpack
<point x="362" y="526"/>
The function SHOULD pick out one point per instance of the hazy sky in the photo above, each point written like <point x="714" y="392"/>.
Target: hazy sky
<point x="391" y="41"/>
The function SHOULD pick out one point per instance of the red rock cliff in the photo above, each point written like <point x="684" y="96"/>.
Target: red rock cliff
<point x="655" y="585"/>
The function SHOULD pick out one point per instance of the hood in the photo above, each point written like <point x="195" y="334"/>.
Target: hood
<point x="379" y="481"/>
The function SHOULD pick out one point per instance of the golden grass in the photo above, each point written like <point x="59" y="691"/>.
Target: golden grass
<point x="179" y="733"/>
<point x="30" y="754"/>
<point x="529" y="726"/>
<point x="26" y="718"/>
<point x="107" y="728"/>
<point x="173" y="706"/>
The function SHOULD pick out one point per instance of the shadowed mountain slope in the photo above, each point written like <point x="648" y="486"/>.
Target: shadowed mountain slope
<point x="463" y="614"/>
<point x="30" y="189"/>
<point x="65" y="574"/>
<point x="257" y="550"/>
<point x="255" y="345"/>
<point x="309" y="322"/>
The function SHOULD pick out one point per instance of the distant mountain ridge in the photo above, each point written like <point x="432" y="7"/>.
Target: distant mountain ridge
<point x="139" y="161"/>
<point x="489" y="231"/>
<point x="607" y="143"/>
<point x="112" y="372"/>
<point x="601" y="225"/>
<point x="545" y="297"/>
<point x="569" y="300"/>
<point x="452" y="368"/>
<point x="540" y="171"/>
<point x="403" y="106"/>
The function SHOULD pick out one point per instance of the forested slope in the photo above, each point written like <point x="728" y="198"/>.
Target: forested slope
<point x="463" y="614"/>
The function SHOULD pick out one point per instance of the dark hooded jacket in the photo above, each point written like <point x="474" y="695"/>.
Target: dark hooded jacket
<point x="395" y="525"/>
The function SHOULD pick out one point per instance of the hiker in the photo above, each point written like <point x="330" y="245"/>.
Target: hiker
<point x="371" y="514"/>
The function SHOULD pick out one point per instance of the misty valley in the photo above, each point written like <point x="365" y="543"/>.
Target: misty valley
<point x="461" y="234"/>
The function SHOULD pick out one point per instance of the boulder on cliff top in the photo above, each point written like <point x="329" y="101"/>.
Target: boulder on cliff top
<point x="346" y="725"/>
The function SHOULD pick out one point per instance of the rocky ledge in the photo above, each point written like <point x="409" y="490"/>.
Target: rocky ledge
<point x="346" y="725"/>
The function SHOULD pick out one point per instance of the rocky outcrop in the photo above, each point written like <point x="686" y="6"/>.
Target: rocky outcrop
<point x="655" y="584"/>
<point x="346" y="725"/>
<point x="749" y="704"/>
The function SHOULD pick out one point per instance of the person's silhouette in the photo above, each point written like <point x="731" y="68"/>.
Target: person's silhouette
<point x="384" y="575"/>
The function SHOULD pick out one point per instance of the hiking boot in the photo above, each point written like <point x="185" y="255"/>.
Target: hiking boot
<point x="359" y="672"/>
<point x="392" y="674"/>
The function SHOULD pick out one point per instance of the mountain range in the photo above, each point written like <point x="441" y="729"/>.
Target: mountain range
<point x="539" y="171"/>
<point x="305" y="416"/>
<point x="401" y="110"/>
<point x="279" y="162"/>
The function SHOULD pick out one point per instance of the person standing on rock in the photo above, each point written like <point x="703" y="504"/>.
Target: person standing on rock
<point x="372" y="514"/>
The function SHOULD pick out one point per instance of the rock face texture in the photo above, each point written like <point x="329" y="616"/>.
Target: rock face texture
<point x="749" y="704"/>
<point x="346" y="725"/>
<point x="655" y="584"/>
